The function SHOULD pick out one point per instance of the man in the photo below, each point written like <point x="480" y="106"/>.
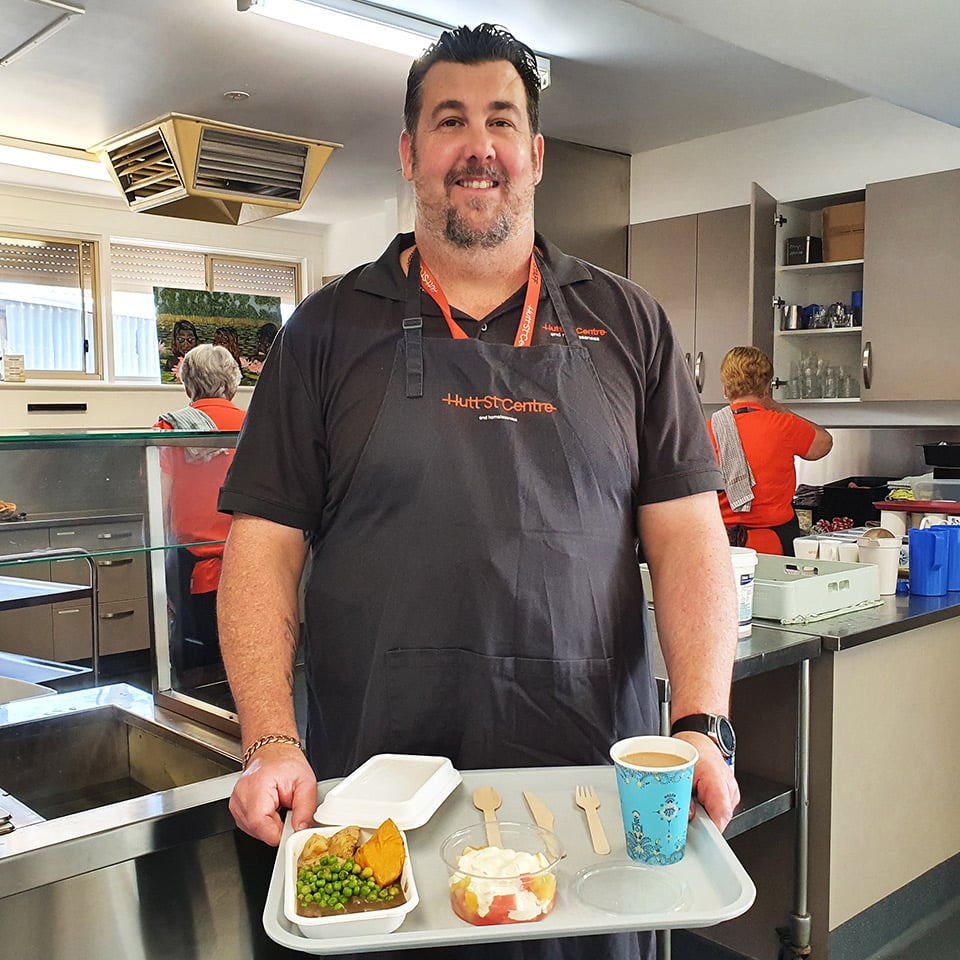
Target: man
<point x="472" y="477"/>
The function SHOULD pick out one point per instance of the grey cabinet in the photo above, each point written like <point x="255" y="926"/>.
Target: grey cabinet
<point x="62" y="631"/>
<point x="911" y="288"/>
<point x="583" y="203"/>
<point x="26" y="631"/>
<point x="713" y="273"/>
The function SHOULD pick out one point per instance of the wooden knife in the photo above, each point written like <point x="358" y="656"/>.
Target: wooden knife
<point x="541" y="812"/>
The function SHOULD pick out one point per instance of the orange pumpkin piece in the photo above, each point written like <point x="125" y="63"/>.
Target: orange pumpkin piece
<point x="383" y="853"/>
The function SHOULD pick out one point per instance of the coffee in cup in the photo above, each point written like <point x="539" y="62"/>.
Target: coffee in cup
<point x="655" y="783"/>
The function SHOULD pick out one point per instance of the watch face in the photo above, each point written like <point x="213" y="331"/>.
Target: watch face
<point x="726" y="736"/>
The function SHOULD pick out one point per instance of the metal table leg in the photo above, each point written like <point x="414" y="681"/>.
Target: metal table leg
<point x="663" y="690"/>
<point x="795" y="939"/>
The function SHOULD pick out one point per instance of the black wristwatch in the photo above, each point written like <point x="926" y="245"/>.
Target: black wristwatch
<point x="717" y="728"/>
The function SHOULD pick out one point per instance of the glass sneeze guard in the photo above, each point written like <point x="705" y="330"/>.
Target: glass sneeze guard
<point x="115" y="549"/>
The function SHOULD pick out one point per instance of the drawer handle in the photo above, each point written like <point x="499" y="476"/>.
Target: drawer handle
<point x="115" y="563"/>
<point x="61" y="612"/>
<point x="115" y="536"/>
<point x="119" y="615"/>
<point x="66" y="533"/>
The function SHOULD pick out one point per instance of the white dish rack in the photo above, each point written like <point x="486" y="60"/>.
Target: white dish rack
<point x="789" y="588"/>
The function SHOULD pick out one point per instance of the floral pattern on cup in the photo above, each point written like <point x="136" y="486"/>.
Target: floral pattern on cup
<point x="669" y="844"/>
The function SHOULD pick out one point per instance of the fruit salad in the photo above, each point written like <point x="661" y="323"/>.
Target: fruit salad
<point x="495" y="885"/>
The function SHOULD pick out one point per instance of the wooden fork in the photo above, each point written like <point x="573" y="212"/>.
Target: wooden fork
<point x="588" y="801"/>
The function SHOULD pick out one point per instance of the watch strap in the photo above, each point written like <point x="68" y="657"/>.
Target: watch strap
<point x="705" y="723"/>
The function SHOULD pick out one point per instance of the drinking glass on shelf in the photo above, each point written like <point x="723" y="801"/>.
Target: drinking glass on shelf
<point x="811" y="387"/>
<point x="830" y="383"/>
<point x="850" y="386"/>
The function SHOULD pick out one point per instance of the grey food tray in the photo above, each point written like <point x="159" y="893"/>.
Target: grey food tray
<point x="708" y="886"/>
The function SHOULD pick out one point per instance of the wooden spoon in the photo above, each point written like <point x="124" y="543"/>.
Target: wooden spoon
<point x="488" y="800"/>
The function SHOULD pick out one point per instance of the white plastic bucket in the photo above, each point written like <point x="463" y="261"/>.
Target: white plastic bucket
<point x="744" y="562"/>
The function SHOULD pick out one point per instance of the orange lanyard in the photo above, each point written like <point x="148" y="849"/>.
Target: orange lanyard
<point x="527" y="318"/>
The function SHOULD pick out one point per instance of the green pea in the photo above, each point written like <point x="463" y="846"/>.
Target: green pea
<point x="348" y="864"/>
<point x="366" y="873"/>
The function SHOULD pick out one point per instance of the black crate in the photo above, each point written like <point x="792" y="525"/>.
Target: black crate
<point x="803" y="250"/>
<point x="841" y="500"/>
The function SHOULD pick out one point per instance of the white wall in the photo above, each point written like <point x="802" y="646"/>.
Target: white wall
<point x="813" y="154"/>
<point x="359" y="241"/>
<point x="108" y="406"/>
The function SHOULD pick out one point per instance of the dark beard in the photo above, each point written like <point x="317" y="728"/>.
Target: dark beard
<point x="458" y="232"/>
<point x="465" y="237"/>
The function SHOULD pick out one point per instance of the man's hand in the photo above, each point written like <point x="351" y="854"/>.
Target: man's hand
<point x="714" y="784"/>
<point x="278" y="776"/>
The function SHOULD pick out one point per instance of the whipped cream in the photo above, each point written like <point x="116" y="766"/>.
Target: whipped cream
<point x="495" y="872"/>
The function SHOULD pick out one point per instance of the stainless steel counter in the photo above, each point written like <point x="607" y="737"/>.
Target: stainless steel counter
<point x="170" y="876"/>
<point x="897" y="614"/>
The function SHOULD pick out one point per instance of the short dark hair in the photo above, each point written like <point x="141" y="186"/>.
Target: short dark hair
<point x="482" y="44"/>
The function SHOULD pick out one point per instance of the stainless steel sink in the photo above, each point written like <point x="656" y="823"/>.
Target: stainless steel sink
<point x="94" y="777"/>
<point x="63" y="764"/>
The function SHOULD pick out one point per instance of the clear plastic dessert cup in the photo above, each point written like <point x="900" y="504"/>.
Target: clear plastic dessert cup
<point x="513" y="882"/>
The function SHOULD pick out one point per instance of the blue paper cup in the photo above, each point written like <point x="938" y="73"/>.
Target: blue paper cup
<point x="654" y="779"/>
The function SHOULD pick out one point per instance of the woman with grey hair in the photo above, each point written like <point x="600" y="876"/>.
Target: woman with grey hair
<point x="208" y="372"/>
<point x="191" y="481"/>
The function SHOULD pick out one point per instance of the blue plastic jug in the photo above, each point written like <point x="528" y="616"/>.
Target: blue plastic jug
<point x="953" y="553"/>
<point x="928" y="562"/>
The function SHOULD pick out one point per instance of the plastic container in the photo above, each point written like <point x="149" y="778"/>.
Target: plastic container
<point x="789" y="589"/>
<point x="405" y="787"/>
<point x="882" y="547"/>
<point x="744" y="571"/>
<point x="926" y="487"/>
<point x="952" y="533"/>
<point x="744" y="562"/>
<point x="524" y="892"/>
<point x="375" y="922"/>
<point x="928" y="562"/>
<point x="942" y="454"/>
<point x="841" y="500"/>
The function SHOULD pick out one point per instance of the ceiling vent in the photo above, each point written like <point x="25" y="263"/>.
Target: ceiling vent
<point x="195" y="169"/>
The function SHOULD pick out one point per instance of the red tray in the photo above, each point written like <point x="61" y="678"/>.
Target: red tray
<point x="920" y="506"/>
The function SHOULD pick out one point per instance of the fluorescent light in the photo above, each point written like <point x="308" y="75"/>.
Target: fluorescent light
<point x="370" y="25"/>
<point x="46" y="32"/>
<point x="363" y="23"/>
<point x="53" y="159"/>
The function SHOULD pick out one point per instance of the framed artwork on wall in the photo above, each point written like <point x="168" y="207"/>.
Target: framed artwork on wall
<point x="245" y="324"/>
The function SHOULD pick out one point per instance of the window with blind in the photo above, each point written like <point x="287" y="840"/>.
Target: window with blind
<point x="136" y="270"/>
<point x="49" y="303"/>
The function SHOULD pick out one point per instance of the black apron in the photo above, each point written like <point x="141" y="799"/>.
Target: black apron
<point x="477" y="593"/>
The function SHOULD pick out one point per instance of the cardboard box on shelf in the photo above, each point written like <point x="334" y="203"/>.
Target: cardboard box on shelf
<point x="843" y="231"/>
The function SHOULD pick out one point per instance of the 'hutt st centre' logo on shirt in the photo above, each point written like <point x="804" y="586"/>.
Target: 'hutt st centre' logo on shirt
<point x="498" y="405"/>
<point x="584" y="333"/>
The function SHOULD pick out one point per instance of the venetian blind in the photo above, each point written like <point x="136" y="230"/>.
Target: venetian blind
<point x="263" y="278"/>
<point x="44" y="263"/>
<point x="137" y="269"/>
